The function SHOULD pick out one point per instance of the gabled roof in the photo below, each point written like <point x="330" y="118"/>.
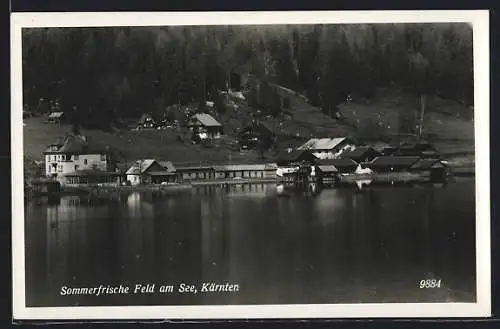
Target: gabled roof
<point x="337" y="162"/>
<point x="322" y="143"/>
<point x="394" y="161"/>
<point x="207" y="120"/>
<point x="56" y="115"/>
<point x="140" y="166"/>
<point x="75" y="144"/>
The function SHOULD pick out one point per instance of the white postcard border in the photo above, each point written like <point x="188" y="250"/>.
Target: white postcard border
<point x="479" y="19"/>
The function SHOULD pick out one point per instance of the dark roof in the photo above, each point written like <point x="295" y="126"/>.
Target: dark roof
<point x="357" y="153"/>
<point x="59" y="141"/>
<point x="257" y="128"/>
<point x="76" y="144"/>
<point x="394" y="161"/>
<point x="122" y="167"/>
<point x="293" y="155"/>
<point x="343" y="162"/>
<point x="427" y="164"/>
<point x="160" y="173"/>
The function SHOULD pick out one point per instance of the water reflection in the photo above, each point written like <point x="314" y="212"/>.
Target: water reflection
<point x="314" y="246"/>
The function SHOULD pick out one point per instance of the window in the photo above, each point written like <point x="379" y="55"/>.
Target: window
<point x="84" y="161"/>
<point x="76" y="167"/>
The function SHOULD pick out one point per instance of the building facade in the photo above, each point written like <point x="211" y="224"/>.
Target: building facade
<point x="150" y="171"/>
<point x="255" y="171"/>
<point x="195" y="173"/>
<point x="73" y="156"/>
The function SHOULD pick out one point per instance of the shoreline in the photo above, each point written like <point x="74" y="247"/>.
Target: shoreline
<point x="189" y="185"/>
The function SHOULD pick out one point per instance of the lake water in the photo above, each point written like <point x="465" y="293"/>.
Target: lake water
<point x="331" y="246"/>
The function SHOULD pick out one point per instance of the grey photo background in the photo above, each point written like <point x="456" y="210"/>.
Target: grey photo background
<point x="370" y="82"/>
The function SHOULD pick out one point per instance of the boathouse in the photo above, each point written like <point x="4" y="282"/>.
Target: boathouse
<point x="247" y="171"/>
<point x="327" y="148"/>
<point x="150" y="171"/>
<point x="187" y="173"/>
<point x="327" y="174"/>
<point x="385" y="164"/>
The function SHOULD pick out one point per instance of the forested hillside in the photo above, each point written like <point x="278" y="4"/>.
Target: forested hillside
<point x="103" y="74"/>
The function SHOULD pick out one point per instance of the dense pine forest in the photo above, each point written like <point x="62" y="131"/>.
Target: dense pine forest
<point x="99" y="75"/>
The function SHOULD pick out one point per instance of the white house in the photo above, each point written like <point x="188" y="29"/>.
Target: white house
<point x="72" y="158"/>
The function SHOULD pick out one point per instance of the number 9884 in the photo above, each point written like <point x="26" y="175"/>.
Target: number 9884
<point x="430" y="283"/>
